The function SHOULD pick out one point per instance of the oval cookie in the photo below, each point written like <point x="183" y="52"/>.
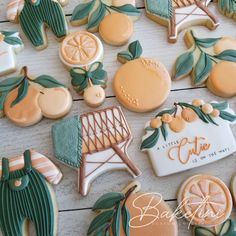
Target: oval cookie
<point x="116" y="29"/>
<point x="80" y="49"/>
<point x="205" y="200"/>
<point x="142" y="85"/>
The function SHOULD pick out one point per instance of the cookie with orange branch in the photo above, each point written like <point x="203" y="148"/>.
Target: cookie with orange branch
<point x="189" y="135"/>
<point x="25" y="100"/>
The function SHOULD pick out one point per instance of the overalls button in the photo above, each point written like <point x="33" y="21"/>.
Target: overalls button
<point x="18" y="183"/>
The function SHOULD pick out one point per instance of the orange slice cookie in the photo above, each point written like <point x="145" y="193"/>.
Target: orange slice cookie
<point x="142" y="84"/>
<point x="205" y="200"/>
<point x="80" y="49"/>
<point x="133" y="213"/>
<point x="116" y="29"/>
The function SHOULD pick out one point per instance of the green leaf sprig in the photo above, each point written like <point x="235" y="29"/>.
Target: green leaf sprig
<point x="81" y="77"/>
<point x="134" y="51"/>
<point x="9" y="37"/>
<point x="22" y="82"/>
<point x="112" y="208"/>
<point x="94" y="11"/>
<point x="153" y="138"/>
<point x="198" y="61"/>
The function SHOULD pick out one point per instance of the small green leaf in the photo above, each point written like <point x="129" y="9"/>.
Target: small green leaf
<point x="99" y="77"/>
<point x="207" y="43"/>
<point x="100" y="220"/>
<point x="202" y="69"/>
<point x="97" y="16"/>
<point x="127" y="56"/>
<point x="22" y="92"/>
<point x="8" y="33"/>
<point x="127" y="9"/>
<point x="126" y="220"/>
<point x="108" y="200"/>
<point x="135" y="49"/>
<point x="227" y="116"/>
<point x="2" y="100"/>
<point x="151" y="141"/>
<point x="116" y="222"/>
<point x="102" y="231"/>
<point x="78" y="76"/>
<point x="170" y="111"/>
<point x="208" y="117"/>
<point x="164" y="131"/>
<point x="200" y="231"/>
<point x="96" y="66"/>
<point x="48" y="82"/>
<point x="220" y="106"/>
<point x="227" y="55"/>
<point x="184" y="65"/>
<point x="83" y="86"/>
<point x="13" y="40"/>
<point x="82" y="11"/>
<point x="10" y="83"/>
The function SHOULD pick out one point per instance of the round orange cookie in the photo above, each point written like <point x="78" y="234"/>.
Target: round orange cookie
<point x="80" y="49"/>
<point x="222" y="79"/>
<point x="27" y="112"/>
<point x="116" y="29"/>
<point x="142" y="85"/>
<point x="205" y="200"/>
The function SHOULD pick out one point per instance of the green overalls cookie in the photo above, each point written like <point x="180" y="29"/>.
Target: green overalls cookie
<point x="25" y="195"/>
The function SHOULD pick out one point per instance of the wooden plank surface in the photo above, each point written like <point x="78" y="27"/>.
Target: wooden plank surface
<point x="14" y="140"/>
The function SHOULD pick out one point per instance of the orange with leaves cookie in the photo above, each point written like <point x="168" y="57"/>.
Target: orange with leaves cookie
<point x="141" y="84"/>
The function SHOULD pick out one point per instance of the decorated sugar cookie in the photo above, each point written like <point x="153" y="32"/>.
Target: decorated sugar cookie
<point x="99" y="144"/>
<point x="132" y="213"/>
<point x="25" y="101"/>
<point x="10" y="44"/>
<point x="227" y="8"/>
<point x="81" y="49"/>
<point x="141" y="84"/>
<point x="233" y="188"/>
<point x="26" y="194"/>
<point x="177" y="15"/>
<point x="113" y="19"/>
<point x="90" y="83"/>
<point x="205" y="201"/>
<point x="35" y="15"/>
<point x="225" y="229"/>
<point x="211" y="61"/>
<point x="189" y="135"/>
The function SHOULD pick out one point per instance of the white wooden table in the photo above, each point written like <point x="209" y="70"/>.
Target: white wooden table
<point x="74" y="210"/>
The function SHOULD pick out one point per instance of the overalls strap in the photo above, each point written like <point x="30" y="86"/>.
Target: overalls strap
<point x="5" y="169"/>
<point x="27" y="160"/>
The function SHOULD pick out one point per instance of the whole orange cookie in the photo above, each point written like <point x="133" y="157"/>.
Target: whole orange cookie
<point x="205" y="200"/>
<point x="116" y="29"/>
<point x="133" y="213"/>
<point x="142" y="84"/>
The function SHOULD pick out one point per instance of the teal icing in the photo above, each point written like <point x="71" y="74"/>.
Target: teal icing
<point x="33" y="202"/>
<point x="227" y="7"/>
<point x="67" y="141"/>
<point x="160" y="8"/>
<point x="33" y="17"/>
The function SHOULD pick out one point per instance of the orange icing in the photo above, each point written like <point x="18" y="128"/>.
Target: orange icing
<point x="222" y="79"/>
<point x="79" y="48"/>
<point x="116" y="29"/>
<point x="142" y="85"/>
<point x="25" y="113"/>
<point x="225" y="43"/>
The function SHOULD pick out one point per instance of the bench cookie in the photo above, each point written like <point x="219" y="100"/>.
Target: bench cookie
<point x="94" y="143"/>
<point x="132" y="213"/>
<point x="81" y="49"/>
<point x="210" y="61"/>
<point x="35" y="15"/>
<point x="141" y="84"/>
<point x="204" y="201"/>
<point x="180" y="14"/>
<point x="189" y="135"/>
<point x="25" y="101"/>
<point x="90" y="83"/>
<point x="10" y="44"/>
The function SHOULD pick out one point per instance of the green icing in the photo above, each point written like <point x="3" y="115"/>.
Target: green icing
<point x="227" y="7"/>
<point x="10" y="38"/>
<point x="67" y="141"/>
<point x="33" y="17"/>
<point x="160" y="8"/>
<point x="31" y="201"/>
<point x="116" y="221"/>
<point x="48" y="82"/>
<point x="125" y="220"/>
